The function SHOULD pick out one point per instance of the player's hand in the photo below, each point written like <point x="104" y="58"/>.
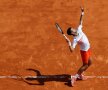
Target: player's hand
<point x="82" y="11"/>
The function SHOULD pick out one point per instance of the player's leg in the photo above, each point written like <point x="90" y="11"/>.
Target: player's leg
<point x="84" y="56"/>
<point x="86" y="63"/>
<point x="86" y="59"/>
<point x="81" y="76"/>
<point x="84" y="66"/>
<point x="79" y="73"/>
<point x="82" y="69"/>
<point x="90" y="62"/>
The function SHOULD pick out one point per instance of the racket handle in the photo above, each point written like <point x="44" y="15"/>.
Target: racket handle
<point x="67" y="39"/>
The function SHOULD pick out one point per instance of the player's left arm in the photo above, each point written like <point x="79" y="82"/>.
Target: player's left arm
<point x="81" y="17"/>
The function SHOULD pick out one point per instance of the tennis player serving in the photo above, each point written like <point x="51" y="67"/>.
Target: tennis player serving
<point x="81" y="39"/>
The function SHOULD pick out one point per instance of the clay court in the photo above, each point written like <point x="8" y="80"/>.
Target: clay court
<point x="30" y="40"/>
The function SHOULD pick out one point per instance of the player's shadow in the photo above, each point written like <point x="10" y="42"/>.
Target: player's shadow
<point x="41" y="79"/>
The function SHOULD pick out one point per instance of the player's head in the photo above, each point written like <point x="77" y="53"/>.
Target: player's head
<point x="71" y="31"/>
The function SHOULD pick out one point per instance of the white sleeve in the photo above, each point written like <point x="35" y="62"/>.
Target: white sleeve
<point x="74" y="43"/>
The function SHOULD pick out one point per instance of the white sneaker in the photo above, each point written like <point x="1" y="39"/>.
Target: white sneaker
<point x="81" y="77"/>
<point x="73" y="79"/>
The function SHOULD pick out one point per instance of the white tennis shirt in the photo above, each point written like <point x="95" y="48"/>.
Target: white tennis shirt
<point x="81" y="39"/>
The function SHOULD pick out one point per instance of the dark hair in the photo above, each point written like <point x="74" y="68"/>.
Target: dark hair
<point x="69" y="31"/>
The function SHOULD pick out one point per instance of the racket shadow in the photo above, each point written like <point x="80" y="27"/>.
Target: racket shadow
<point x="41" y="79"/>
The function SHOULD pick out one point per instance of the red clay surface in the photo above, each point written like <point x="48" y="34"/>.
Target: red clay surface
<point x="29" y="39"/>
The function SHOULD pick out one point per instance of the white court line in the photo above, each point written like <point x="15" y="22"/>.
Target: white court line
<point x="15" y="76"/>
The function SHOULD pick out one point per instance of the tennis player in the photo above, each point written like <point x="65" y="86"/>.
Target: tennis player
<point x="81" y="39"/>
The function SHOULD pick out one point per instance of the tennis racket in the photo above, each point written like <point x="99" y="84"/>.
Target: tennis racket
<point x="61" y="31"/>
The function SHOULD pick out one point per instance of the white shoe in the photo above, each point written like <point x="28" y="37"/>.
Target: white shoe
<point x="73" y="79"/>
<point x="81" y="77"/>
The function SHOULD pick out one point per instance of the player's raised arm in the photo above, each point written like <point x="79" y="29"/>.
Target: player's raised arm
<point x="81" y="17"/>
